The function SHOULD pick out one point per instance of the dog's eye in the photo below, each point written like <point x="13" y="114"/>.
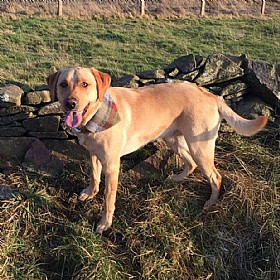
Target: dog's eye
<point x="84" y="84"/>
<point x="64" y="84"/>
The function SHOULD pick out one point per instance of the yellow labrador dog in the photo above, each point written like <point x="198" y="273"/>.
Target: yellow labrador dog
<point x="112" y="121"/>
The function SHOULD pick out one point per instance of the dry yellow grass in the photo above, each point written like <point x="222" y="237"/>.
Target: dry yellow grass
<point x="129" y="8"/>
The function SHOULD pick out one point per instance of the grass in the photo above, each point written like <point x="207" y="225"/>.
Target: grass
<point x="160" y="230"/>
<point x="125" y="46"/>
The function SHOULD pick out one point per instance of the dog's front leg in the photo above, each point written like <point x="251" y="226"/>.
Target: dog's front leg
<point x="111" y="183"/>
<point x="93" y="188"/>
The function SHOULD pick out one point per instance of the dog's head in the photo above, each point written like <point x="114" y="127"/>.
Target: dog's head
<point x="79" y="90"/>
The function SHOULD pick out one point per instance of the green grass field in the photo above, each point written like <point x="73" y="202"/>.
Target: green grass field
<point x="31" y="46"/>
<point x="160" y="230"/>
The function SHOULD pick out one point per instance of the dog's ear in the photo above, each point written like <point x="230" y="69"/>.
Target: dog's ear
<point x="103" y="81"/>
<point x="52" y="83"/>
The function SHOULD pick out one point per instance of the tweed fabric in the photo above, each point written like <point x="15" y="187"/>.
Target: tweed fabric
<point x="106" y="116"/>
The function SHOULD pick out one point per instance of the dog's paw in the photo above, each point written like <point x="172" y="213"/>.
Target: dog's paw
<point x="102" y="226"/>
<point x="87" y="194"/>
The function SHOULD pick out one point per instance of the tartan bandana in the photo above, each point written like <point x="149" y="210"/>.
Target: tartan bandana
<point x="106" y="116"/>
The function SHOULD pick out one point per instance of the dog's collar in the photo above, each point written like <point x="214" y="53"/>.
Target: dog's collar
<point x="105" y="117"/>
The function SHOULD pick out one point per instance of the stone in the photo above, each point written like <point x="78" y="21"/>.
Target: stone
<point x="45" y="96"/>
<point x="145" y="82"/>
<point x="24" y="87"/>
<point x="153" y="165"/>
<point x="253" y="107"/>
<point x="7" y="120"/>
<point x="6" y="192"/>
<point x="173" y="73"/>
<point x="189" y="76"/>
<point x="264" y="81"/>
<point x="8" y="131"/>
<point x="43" y="87"/>
<point x="129" y="81"/>
<point x="10" y="95"/>
<point x="14" y="124"/>
<point x="42" y="124"/>
<point x="39" y="157"/>
<point x="151" y="74"/>
<point x="239" y="60"/>
<point x="38" y="154"/>
<point x="170" y="68"/>
<point x="52" y="108"/>
<point x="184" y="64"/>
<point x="188" y="63"/>
<point x="215" y="89"/>
<point x="37" y="97"/>
<point x="161" y="81"/>
<point x="32" y="98"/>
<point x="234" y="88"/>
<point x="15" y="147"/>
<point x="217" y="69"/>
<point x="17" y="109"/>
<point x="49" y="135"/>
<point x="66" y="149"/>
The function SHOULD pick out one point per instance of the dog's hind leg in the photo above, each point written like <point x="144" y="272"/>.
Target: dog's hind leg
<point x="179" y="146"/>
<point x="93" y="188"/>
<point x="203" y="154"/>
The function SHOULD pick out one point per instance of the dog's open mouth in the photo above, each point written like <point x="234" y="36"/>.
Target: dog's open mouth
<point x="74" y="118"/>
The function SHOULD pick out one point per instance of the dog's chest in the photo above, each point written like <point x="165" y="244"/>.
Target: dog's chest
<point x="82" y="139"/>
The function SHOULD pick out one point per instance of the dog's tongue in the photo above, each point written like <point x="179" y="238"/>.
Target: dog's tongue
<point x="73" y="119"/>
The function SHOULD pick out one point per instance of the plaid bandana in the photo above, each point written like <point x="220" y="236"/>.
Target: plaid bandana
<point x="106" y="116"/>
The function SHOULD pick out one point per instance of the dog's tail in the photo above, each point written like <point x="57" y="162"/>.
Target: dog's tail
<point x="239" y="124"/>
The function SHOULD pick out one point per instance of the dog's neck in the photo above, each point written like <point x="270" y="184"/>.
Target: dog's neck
<point x="105" y="117"/>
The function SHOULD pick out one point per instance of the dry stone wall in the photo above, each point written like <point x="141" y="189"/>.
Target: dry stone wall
<point x="32" y="128"/>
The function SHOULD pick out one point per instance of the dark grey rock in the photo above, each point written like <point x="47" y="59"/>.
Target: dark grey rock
<point x="153" y="165"/>
<point x="189" y="76"/>
<point x="38" y="154"/>
<point x="41" y="87"/>
<point x="42" y="124"/>
<point x="15" y="147"/>
<point x="49" y="135"/>
<point x="217" y="69"/>
<point x="264" y="81"/>
<point x="66" y="149"/>
<point x="8" y="131"/>
<point x="234" y="90"/>
<point x="17" y="109"/>
<point x="18" y="117"/>
<point x="188" y="63"/>
<point x="40" y="158"/>
<point x="6" y="192"/>
<point x="52" y="108"/>
<point x="253" y="107"/>
<point x="126" y="81"/>
<point x="161" y="81"/>
<point x="151" y="74"/>
<point x="184" y="64"/>
<point x="239" y="60"/>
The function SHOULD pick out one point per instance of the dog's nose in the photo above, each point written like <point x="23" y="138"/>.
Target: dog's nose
<point x="71" y="103"/>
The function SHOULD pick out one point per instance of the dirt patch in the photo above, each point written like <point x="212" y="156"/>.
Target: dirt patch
<point x="130" y="8"/>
